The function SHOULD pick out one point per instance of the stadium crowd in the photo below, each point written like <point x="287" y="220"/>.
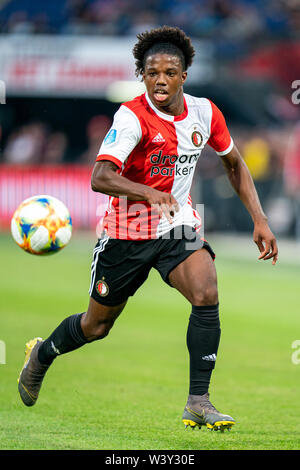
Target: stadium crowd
<point x="264" y="150"/>
<point x="226" y="20"/>
<point x="36" y="143"/>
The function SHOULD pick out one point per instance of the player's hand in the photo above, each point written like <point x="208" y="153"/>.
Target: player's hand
<point x="164" y="203"/>
<point x="266" y="242"/>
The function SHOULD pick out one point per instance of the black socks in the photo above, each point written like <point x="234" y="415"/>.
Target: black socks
<point x="67" y="337"/>
<point x="203" y="337"/>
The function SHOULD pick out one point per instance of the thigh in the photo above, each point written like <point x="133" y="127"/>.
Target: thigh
<point x="196" y="278"/>
<point x="119" y="268"/>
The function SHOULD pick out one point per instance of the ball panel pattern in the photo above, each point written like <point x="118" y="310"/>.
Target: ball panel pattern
<point x="41" y="225"/>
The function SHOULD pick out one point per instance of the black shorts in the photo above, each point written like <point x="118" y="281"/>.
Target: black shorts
<point x="120" y="267"/>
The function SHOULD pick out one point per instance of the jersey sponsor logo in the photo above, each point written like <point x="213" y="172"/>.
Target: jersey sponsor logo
<point x="102" y="288"/>
<point x="197" y="138"/>
<point x="158" y="138"/>
<point x="170" y="164"/>
<point x="110" y="137"/>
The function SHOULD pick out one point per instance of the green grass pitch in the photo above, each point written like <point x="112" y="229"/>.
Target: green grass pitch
<point x="128" y="391"/>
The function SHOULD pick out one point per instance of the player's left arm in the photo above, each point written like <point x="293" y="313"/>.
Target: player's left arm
<point x="241" y="180"/>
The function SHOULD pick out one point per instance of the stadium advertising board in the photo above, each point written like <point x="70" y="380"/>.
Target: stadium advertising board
<point x="68" y="183"/>
<point x="75" y="66"/>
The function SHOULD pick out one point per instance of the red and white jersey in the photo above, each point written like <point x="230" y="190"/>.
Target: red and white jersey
<point x="161" y="151"/>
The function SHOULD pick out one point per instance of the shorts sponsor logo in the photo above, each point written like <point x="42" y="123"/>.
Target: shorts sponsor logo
<point x="102" y="288"/>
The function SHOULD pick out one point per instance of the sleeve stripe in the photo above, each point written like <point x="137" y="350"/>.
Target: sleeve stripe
<point x="110" y="158"/>
<point x="224" y="152"/>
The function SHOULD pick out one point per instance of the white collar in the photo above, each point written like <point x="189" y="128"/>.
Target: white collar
<point x="168" y="117"/>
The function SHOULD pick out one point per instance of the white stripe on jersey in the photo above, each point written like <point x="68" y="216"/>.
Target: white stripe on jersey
<point x="229" y="148"/>
<point x="195" y="121"/>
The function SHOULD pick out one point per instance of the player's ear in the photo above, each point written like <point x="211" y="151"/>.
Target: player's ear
<point x="184" y="77"/>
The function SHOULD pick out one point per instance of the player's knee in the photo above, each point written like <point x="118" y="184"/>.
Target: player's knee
<point x="207" y="295"/>
<point x="102" y="330"/>
<point x="99" y="330"/>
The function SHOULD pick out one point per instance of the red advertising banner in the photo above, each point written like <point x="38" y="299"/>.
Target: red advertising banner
<point x="69" y="183"/>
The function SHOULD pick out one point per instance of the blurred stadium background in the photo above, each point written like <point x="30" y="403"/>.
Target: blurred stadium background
<point x="67" y="66"/>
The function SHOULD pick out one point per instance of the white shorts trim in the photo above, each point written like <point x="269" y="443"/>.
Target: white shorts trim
<point x="97" y="250"/>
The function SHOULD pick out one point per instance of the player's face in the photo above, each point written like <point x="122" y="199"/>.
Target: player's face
<point x="163" y="77"/>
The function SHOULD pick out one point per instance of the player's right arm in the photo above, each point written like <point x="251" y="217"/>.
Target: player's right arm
<point x="106" y="180"/>
<point x="122" y="138"/>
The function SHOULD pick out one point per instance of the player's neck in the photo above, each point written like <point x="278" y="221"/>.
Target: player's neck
<point x="175" y="108"/>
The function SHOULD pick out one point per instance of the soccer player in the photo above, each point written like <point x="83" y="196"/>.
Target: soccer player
<point x="146" y="164"/>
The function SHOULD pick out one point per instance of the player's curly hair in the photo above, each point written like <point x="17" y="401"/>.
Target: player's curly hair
<point x="168" y="40"/>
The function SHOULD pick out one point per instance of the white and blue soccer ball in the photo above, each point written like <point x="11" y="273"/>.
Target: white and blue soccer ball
<point x="41" y="225"/>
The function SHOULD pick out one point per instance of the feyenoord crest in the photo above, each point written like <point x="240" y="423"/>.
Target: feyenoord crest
<point x="196" y="138"/>
<point x="102" y="288"/>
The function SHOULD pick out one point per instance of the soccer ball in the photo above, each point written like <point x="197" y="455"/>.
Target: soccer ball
<point x="41" y="225"/>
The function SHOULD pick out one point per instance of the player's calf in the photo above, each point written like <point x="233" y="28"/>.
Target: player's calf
<point x="67" y="337"/>
<point x="72" y="333"/>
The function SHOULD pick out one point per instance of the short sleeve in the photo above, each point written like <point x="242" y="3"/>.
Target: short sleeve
<point x="123" y="136"/>
<point x="220" y="139"/>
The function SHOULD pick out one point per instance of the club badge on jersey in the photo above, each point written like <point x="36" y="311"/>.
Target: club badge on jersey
<point x="197" y="138"/>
